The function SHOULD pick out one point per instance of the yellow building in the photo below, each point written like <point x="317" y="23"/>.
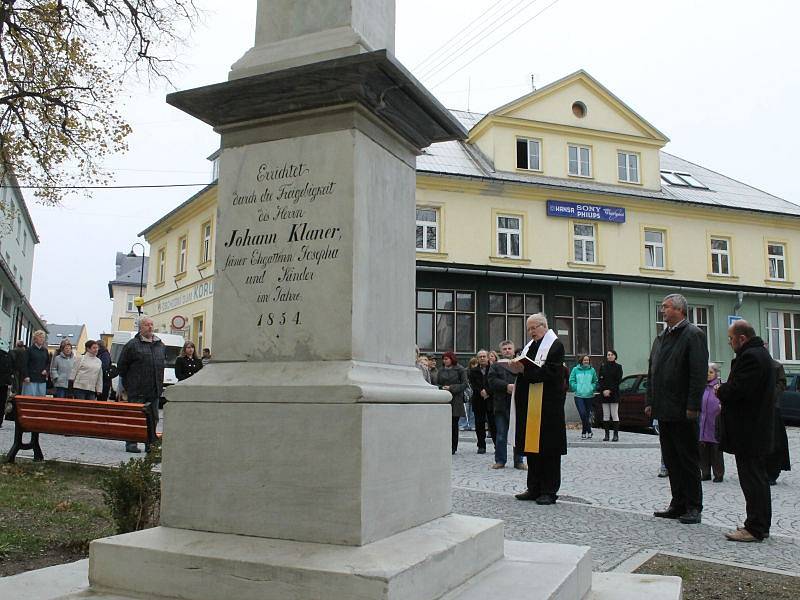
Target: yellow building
<point x="564" y="201"/>
<point x="128" y="282"/>
<point x="180" y="279"/>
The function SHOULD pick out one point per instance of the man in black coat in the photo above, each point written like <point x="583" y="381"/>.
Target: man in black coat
<point x="6" y="368"/>
<point x="19" y="357"/>
<point x="676" y="381"/>
<point x="539" y="395"/>
<point x="501" y="386"/>
<point x="481" y="399"/>
<point x="748" y="410"/>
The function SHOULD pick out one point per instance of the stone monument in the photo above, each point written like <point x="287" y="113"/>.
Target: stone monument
<point x="310" y="460"/>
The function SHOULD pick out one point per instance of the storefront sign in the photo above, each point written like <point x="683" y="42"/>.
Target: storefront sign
<point x="198" y="292"/>
<point x="592" y="212"/>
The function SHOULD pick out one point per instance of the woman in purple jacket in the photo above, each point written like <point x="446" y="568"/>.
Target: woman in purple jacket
<point x="711" y="457"/>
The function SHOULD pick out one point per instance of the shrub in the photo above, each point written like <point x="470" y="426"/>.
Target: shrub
<point x="133" y="493"/>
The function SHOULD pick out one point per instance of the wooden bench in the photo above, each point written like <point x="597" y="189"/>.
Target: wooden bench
<point x="124" y="421"/>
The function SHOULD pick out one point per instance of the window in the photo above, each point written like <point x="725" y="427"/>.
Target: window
<point x="20" y="280"/>
<point x="654" y="249"/>
<point x="776" y="255"/>
<point x="628" y="167"/>
<point x="720" y="256"/>
<point x="589" y="334"/>
<point x="205" y="248"/>
<point x="19" y="226"/>
<point x="529" y="154"/>
<point x="784" y="335"/>
<point x="681" y="179"/>
<point x="699" y="315"/>
<point x="584" y="242"/>
<point x="6" y="303"/>
<point x="564" y="322"/>
<point x="129" y="305"/>
<point x="446" y="320"/>
<point x="182" y="255"/>
<point x="24" y="242"/>
<point x="507" y="315"/>
<point x="427" y="229"/>
<point x="162" y="265"/>
<point x="508" y="236"/>
<point x="199" y="333"/>
<point x="580" y="161"/>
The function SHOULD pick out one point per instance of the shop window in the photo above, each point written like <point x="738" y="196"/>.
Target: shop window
<point x="589" y="330"/>
<point x="509" y="236"/>
<point x="529" y="154"/>
<point x="427" y="229"/>
<point x="564" y="326"/>
<point x="776" y="255"/>
<point x="784" y="335"/>
<point x="507" y="315"/>
<point x="446" y="320"/>
<point x="720" y="256"/>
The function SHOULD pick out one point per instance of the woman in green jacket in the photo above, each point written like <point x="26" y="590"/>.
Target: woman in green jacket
<point x="583" y="383"/>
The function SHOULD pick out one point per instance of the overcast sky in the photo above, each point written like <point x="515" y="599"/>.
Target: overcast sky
<point x="719" y="78"/>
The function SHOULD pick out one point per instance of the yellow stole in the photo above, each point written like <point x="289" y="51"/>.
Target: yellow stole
<point x="533" y="424"/>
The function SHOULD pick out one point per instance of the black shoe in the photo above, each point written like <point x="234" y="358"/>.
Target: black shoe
<point x="691" y="517"/>
<point x="670" y="513"/>
<point x="545" y="499"/>
<point x="771" y="481"/>
<point x="481" y="450"/>
<point x="526" y="495"/>
<point x="717" y="479"/>
<point x="132" y="448"/>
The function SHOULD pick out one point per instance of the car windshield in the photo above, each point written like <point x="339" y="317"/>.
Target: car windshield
<point x="628" y="383"/>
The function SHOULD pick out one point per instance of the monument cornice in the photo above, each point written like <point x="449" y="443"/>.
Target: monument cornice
<point x="373" y="79"/>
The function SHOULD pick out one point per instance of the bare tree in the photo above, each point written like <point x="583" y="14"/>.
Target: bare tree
<point x="62" y="67"/>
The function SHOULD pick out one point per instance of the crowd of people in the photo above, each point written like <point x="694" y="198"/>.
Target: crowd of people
<point x="517" y="399"/>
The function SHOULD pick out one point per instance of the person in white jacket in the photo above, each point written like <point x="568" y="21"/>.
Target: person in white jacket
<point x="87" y="374"/>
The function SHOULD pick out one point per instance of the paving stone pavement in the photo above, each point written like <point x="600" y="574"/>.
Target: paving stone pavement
<point x="609" y="492"/>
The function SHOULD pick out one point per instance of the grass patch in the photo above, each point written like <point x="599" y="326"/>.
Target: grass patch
<point x="712" y="581"/>
<point x="49" y="513"/>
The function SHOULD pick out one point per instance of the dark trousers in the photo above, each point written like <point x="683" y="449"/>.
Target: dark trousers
<point x="544" y="474"/>
<point x="151" y="414"/>
<point x="682" y="459"/>
<point x="3" y="399"/>
<point x="711" y="459"/>
<point x="455" y="433"/>
<point x="757" y="497"/>
<point x="483" y="413"/>
<point x="80" y="394"/>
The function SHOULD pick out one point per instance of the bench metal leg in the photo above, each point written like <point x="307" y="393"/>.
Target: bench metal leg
<point x="38" y="455"/>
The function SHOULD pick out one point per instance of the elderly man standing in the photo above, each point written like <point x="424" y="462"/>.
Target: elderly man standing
<point x="501" y="385"/>
<point x="141" y="370"/>
<point x="539" y="394"/>
<point x="676" y="382"/>
<point x="481" y="398"/>
<point x="748" y="410"/>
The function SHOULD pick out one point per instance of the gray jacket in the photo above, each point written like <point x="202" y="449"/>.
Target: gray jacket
<point x="61" y="369"/>
<point x="678" y="372"/>
<point x="141" y="368"/>
<point x="456" y="378"/>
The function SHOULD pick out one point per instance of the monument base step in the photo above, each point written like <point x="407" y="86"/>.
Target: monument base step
<point x="630" y="586"/>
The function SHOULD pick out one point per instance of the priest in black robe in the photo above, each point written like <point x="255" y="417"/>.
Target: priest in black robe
<point x="539" y="394"/>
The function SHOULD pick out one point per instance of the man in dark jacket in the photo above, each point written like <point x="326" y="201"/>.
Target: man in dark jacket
<point x="37" y="367"/>
<point x="141" y="371"/>
<point x="539" y="395"/>
<point x="778" y="460"/>
<point x="501" y="387"/>
<point x="676" y="381"/>
<point x="748" y="410"/>
<point x="19" y="357"/>
<point x="481" y="399"/>
<point x="105" y="359"/>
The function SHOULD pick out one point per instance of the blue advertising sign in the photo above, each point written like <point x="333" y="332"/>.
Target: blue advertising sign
<point x="595" y="212"/>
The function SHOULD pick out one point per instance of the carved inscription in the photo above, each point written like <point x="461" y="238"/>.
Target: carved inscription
<point x="284" y="246"/>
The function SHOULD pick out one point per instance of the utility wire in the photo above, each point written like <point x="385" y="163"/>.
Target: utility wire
<point x="509" y="34"/>
<point x="467" y="43"/>
<point x="460" y="32"/>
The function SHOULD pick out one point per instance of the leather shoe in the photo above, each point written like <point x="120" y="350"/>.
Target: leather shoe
<point x="718" y="479"/>
<point x="132" y="448"/>
<point x="766" y="535"/>
<point x="545" y="499"/>
<point x="481" y="450"/>
<point x="526" y="495"/>
<point x="690" y="517"/>
<point x="521" y="466"/>
<point x="741" y="535"/>
<point x="670" y="513"/>
<point x="498" y="466"/>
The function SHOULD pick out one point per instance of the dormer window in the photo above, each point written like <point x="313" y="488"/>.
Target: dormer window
<point x="529" y="153"/>
<point x="681" y="179"/>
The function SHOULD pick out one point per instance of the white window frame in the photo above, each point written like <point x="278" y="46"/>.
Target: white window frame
<point x="774" y="260"/>
<point x="162" y="265"/>
<point x="129" y="303"/>
<point x="655" y="246"/>
<point x="183" y="247"/>
<point x="628" y="158"/>
<point x="425" y="227"/>
<point x="580" y="171"/>
<point x="508" y="234"/>
<point x="538" y="144"/>
<point x="206" y="247"/>
<point x="694" y="316"/>
<point x="584" y="241"/>
<point x="719" y="255"/>
<point x="777" y="335"/>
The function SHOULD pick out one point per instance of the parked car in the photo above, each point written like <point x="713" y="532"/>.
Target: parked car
<point x="631" y="403"/>
<point x="789" y="400"/>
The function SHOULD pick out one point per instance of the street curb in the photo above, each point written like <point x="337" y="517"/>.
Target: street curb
<point x="629" y="565"/>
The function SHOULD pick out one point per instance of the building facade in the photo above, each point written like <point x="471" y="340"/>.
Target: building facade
<point x="564" y="201"/>
<point x="18" y="238"/>
<point x="129" y="281"/>
<point x="76" y="334"/>
<point x="180" y="281"/>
